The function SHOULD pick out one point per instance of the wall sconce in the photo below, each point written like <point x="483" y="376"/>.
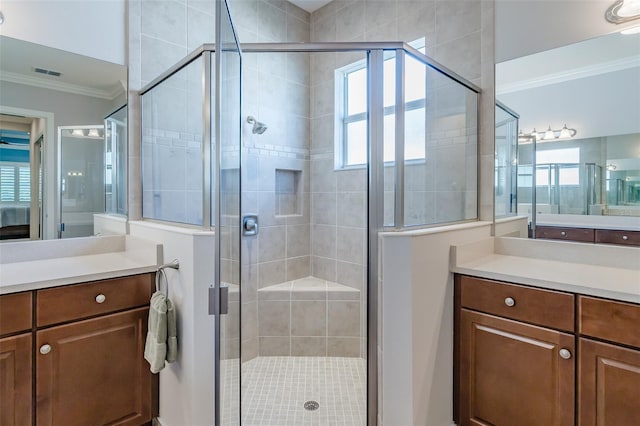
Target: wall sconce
<point x="622" y="11"/>
<point x="549" y="134"/>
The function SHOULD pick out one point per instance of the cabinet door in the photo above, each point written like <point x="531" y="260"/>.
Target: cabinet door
<point x="513" y="373"/>
<point x="93" y="372"/>
<point x="15" y="380"/>
<point x="609" y="385"/>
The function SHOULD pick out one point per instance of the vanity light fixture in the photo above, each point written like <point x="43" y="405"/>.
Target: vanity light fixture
<point x="77" y="133"/>
<point x="622" y="11"/>
<point x="632" y="30"/>
<point x="93" y="133"/>
<point x="550" y="134"/>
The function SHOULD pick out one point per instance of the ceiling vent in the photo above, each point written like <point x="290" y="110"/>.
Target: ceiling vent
<point x="46" y="72"/>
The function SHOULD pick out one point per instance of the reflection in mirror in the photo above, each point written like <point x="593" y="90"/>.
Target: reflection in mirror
<point x="46" y="94"/>
<point x="506" y="161"/>
<point x="581" y="104"/>
<point x="115" y="164"/>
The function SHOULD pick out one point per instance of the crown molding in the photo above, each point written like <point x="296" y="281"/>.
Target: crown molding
<point x="573" y="74"/>
<point x="76" y="89"/>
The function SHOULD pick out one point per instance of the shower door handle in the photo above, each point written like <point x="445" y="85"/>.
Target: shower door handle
<point x="219" y="305"/>
<point x="250" y="225"/>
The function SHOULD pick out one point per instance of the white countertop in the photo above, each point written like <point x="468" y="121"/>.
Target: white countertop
<point x="626" y="223"/>
<point x="33" y="265"/>
<point x="597" y="270"/>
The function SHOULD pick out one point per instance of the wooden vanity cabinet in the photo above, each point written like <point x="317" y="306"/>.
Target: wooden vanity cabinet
<point x="15" y="380"/>
<point x="90" y="366"/>
<point x="585" y="235"/>
<point x="93" y="372"/>
<point x="609" y="377"/>
<point x="609" y="372"/>
<point x="511" y="371"/>
<point x="82" y="351"/>
<point x="15" y="359"/>
<point x="516" y="363"/>
<point x="589" y="235"/>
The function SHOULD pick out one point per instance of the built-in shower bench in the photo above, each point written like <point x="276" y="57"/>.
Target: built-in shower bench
<point x="310" y="317"/>
<point x="309" y="288"/>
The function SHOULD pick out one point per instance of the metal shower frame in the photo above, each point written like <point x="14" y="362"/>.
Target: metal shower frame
<point x="375" y="165"/>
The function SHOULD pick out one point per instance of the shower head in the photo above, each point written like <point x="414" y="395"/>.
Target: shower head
<point x="258" y="127"/>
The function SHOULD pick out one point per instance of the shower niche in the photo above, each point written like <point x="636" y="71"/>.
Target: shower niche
<point x="288" y="192"/>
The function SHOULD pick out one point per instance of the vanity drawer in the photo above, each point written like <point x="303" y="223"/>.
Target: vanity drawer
<point x="609" y="320"/>
<point x="570" y="234"/>
<point x="607" y="236"/>
<point x="68" y="303"/>
<point x="541" y="307"/>
<point x="15" y="313"/>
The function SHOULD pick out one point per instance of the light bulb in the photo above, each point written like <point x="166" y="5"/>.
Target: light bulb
<point x="629" y="8"/>
<point x="564" y="133"/>
<point x="549" y="134"/>
<point x="93" y="133"/>
<point x="534" y="134"/>
<point x="77" y="132"/>
<point x="632" y="30"/>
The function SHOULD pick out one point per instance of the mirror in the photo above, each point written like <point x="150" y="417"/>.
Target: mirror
<point x="575" y="114"/>
<point x="63" y="146"/>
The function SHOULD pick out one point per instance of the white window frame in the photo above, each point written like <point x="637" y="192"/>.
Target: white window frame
<point x="342" y="120"/>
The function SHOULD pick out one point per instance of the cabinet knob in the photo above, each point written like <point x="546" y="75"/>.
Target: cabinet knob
<point x="509" y="302"/>
<point x="101" y="298"/>
<point x="45" y="349"/>
<point x="565" y="353"/>
<point x="563" y="233"/>
<point x="625" y="238"/>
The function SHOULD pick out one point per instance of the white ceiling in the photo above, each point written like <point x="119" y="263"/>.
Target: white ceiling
<point x="593" y="86"/>
<point x="80" y="73"/>
<point x="310" y="5"/>
<point x="595" y="56"/>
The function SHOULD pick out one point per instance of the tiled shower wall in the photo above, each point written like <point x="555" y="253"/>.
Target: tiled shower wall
<point x="296" y="104"/>
<point x="276" y="92"/>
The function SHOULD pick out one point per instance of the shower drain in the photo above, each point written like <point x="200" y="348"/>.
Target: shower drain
<point x="311" y="405"/>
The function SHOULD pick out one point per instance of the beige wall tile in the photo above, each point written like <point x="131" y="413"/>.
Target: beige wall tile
<point x="298" y="267"/>
<point x="271" y="273"/>
<point x="309" y="318"/>
<point x="323" y="268"/>
<point x="273" y="318"/>
<point x="343" y="346"/>
<point x="308" y="346"/>
<point x="271" y="244"/>
<point x="343" y="318"/>
<point x="274" y="346"/>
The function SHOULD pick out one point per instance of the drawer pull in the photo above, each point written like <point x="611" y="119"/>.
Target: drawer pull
<point x="101" y="298"/>
<point x="625" y="238"/>
<point x="509" y="302"/>
<point x="565" y="353"/>
<point x="563" y="233"/>
<point x="45" y="349"/>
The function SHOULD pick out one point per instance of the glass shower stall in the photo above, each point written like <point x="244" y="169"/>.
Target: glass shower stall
<point x="297" y="156"/>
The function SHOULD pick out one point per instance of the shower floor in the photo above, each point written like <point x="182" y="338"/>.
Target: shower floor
<point x="276" y="388"/>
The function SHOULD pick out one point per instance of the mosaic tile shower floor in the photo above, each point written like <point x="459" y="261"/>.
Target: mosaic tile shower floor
<point x="276" y="388"/>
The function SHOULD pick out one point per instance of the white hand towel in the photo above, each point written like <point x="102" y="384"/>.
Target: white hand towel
<point x="155" y="348"/>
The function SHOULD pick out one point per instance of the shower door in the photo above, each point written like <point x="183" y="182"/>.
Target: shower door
<point x="304" y="267"/>
<point x="222" y="93"/>
<point x="81" y="152"/>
